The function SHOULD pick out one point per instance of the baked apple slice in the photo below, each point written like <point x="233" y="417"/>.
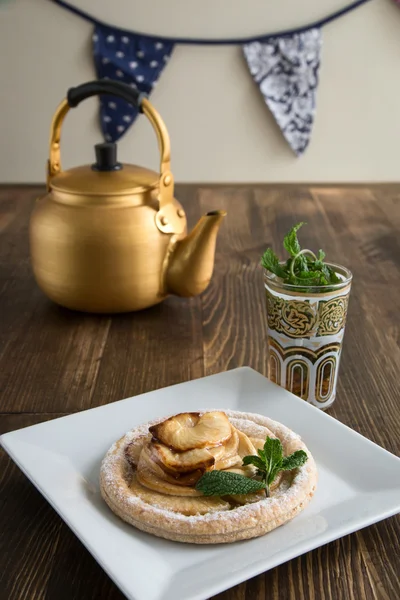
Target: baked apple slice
<point x="182" y="462"/>
<point x="187" y="431"/>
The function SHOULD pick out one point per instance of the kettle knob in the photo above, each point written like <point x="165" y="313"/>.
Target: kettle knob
<point x="106" y="157"/>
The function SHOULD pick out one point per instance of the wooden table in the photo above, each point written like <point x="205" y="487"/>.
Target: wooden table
<point x="54" y="362"/>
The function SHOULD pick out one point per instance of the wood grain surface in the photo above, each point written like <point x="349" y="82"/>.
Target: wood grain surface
<point x="54" y="362"/>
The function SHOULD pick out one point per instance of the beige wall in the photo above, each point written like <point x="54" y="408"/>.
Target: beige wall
<point x="220" y="129"/>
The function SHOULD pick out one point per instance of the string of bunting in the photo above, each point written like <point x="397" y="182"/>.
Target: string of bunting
<point x="284" y="65"/>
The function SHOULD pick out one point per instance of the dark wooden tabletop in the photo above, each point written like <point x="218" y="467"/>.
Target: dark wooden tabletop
<point x="54" y="362"/>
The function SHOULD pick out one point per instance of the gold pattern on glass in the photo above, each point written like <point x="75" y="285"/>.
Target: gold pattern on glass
<point x="294" y="318"/>
<point x="301" y="319"/>
<point x="274" y="371"/>
<point x="274" y="309"/>
<point x="312" y="355"/>
<point x="297" y="378"/>
<point x="332" y="315"/>
<point x="325" y="378"/>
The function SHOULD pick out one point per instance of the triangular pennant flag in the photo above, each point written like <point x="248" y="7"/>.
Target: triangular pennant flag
<point x="133" y="59"/>
<point x="286" y="72"/>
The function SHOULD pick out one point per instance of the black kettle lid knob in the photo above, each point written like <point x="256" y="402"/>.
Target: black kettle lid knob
<point x="106" y="157"/>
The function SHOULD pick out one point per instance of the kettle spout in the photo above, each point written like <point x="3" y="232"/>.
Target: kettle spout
<point x="192" y="262"/>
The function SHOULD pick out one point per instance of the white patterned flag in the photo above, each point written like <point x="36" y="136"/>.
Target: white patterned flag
<point x="286" y="69"/>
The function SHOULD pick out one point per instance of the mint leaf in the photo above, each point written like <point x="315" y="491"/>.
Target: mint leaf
<point x="290" y="241"/>
<point x="319" y="263"/>
<point x="223" y="483"/>
<point x="257" y="461"/>
<point x="287" y="264"/>
<point x="261" y="454"/>
<point x="273" y="451"/>
<point x="271" y="262"/>
<point x="334" y="278"/>
<point x="297" y="459"/>
<point x="303" y="285"/>
<point x="315" y="275"/>
<point x="326" y="273"/>
<point x="273" y="473"/>
<point x="273" y="457"/>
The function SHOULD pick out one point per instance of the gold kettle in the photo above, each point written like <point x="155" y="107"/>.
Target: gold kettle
<point x="111" y="237"/>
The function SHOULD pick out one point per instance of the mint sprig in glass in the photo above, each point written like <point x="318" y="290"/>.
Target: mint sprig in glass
<point x="307" y="301"/>
<point x="303" y="267"/>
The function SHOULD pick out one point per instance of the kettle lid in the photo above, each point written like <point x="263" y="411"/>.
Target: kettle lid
<point x="106" y="177"/>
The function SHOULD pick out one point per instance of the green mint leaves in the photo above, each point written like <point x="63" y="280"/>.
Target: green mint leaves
<point x="223" y="483"/>
<point x="290" y="241"/>
<point x="268" y="462"/>
<point x="271" y="262"/>
<point x="293" y="461"/>
<point x="303" y="268"/>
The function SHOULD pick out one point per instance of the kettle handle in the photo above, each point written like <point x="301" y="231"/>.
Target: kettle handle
<point x="167" y="219"/>
<point x="76" y="95"/>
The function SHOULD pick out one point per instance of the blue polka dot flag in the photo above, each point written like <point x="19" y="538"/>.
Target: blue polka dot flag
<point x="133" y="59"/>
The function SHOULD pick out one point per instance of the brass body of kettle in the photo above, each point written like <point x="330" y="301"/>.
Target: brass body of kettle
<point x="112" y="237"/>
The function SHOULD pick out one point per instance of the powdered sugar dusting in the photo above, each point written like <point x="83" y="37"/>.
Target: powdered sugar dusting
<point x="116" y="474"/>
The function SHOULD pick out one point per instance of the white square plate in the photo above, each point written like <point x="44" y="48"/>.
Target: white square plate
<point x="62" y="459"/>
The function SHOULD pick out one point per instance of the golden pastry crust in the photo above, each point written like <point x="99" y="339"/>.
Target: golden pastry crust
<point x="221" y="525"/>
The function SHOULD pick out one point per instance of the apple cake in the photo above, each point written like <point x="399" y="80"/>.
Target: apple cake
<point x="150" y="477"/>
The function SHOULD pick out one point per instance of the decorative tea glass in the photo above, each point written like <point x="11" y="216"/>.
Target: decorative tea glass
<point x="305" y="335"/>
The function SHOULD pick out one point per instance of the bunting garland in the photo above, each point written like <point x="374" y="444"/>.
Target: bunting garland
<point x="284" y="65"/>
<point x="132" y="59"/>
<point x="286" y="71"/>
